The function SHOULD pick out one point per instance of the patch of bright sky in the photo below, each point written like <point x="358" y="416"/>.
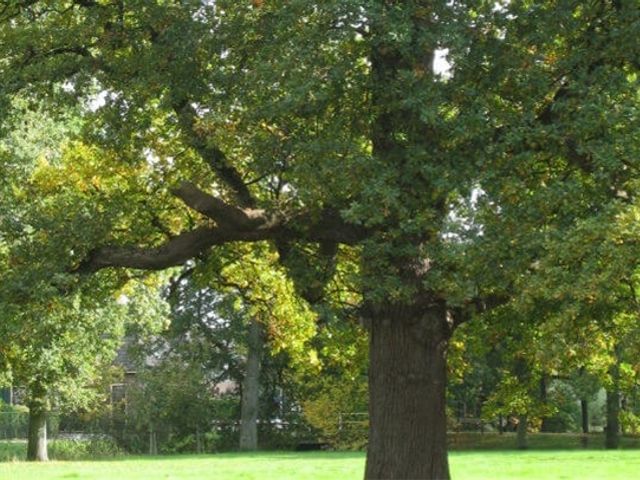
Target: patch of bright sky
<point x="95" y="101"/>
<point x="460" y="222"/>
<point x="98" y="101"/>
<point x="441" y="65"/>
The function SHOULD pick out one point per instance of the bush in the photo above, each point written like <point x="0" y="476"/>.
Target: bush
<point x="285" y="436"/>
<point x="630" y="422"/>
<point x="206" y="442"/>
<point x="12" y="451"/>
<point x="338" y="413"/>
<point x="83" y="449"/>
<point x="566" y="415"/>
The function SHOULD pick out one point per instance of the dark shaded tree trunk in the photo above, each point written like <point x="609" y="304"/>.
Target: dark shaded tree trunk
<point x="251" y="388"/>
<point x="522" y="442"/>
<point x="199" y="445"/>
<point x="37" y="441"/>
<point x="584" y="410"/>
<point x="544" y="427"/>
<point x="407" y="385"/>
<point x="612" y="430"/>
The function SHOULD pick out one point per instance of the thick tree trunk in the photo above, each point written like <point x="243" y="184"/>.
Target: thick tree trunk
<point x="37" y="441"/>
<point x="251" y="389"/>
<point x="521" y="435"/>
<point x="407" y="384"/>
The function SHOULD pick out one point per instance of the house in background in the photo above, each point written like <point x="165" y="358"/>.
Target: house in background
<point x="130" y="367"/>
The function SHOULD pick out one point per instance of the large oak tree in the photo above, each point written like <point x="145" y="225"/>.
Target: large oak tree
<point x="323" y="127"/>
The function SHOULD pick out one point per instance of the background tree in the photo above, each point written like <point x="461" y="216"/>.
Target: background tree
<point x="233" y="316"/>
<point x="174" y="400"/>
<point x="57" y="343"/>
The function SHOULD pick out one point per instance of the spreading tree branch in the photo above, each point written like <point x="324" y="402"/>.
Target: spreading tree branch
<point x="172" y="253"/>
<point x="212" y="154"/>
<point x="232" y="225"/>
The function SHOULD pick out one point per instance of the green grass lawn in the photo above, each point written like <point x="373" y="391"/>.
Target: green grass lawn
<point x="493" y="465"/>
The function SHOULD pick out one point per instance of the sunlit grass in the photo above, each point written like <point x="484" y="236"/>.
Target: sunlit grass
<point x="494" y="465"/>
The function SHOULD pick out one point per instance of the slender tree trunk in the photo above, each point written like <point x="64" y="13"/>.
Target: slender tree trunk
<point x="251" y="389"/>
<point x="612" y="437"/>
<point x="199" y="446"/>
<point x="37" y="441"/>
<point x="612" y="429"/>
<point x="584" y="409"/>
<point x="407" y="383"/>
<point x="521" y="435"/>
<point x="544" y="427"/>
<point x="153" y="441"/>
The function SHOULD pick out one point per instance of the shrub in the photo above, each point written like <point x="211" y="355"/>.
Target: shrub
<point x="12" y="451"/>
<point x="630" y="422"/>
<point x="83" y="449"/>
<point x="338" y="412"/>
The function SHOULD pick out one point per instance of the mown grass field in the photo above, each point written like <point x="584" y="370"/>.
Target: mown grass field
<point x="463" y="441"/>
<point x="494" y="465"/>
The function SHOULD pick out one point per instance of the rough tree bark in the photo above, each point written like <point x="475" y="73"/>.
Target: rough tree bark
<point x="251" y="388"/>
<point x="408" y="343"/>
<point x="407" y="384"/>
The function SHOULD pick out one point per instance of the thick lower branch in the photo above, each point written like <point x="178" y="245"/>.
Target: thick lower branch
<point x="173" y="253"/>
<point x="235" y="225"/>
